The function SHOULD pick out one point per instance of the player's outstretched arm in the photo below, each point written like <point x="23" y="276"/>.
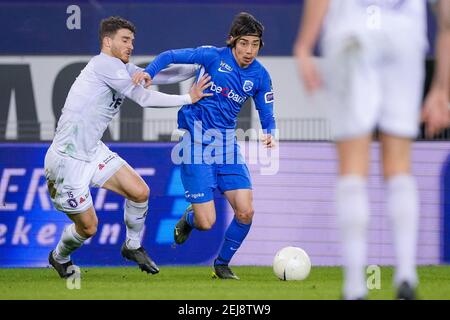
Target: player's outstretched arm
<point x="201" y="56"/>
<point x="169" y="75"/>
<point x="175" y="73"/>
<point x="115" y="74"/>
<point x="150" y="98"/>
<point x="264" y="100"/>
<point x="313" y="16"/>
<point x="435" y="112"/>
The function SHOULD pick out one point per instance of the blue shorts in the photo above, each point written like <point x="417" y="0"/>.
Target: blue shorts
<point x="200" y="180"/>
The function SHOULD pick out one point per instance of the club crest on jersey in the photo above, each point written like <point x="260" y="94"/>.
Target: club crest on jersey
<point x="248" y="85"/>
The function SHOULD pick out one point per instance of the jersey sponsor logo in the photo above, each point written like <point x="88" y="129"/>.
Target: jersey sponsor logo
<point x="224" y="67"/>
<point x="227" y="92"/>
<point x="268" y="97"/>
<point x="248" y="85"/>
<point x="188" y="195"/>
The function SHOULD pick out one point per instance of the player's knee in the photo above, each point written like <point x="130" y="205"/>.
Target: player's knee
<point x="141" y="194"/>
<point x="89" y="231"/>
<point x="245" y="216"/>
<point x="205" y="225"/>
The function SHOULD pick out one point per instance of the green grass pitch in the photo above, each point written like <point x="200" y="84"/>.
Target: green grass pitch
<point x="195" y="283"/>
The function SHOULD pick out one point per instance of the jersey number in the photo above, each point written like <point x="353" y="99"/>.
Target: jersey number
<point x="116" y="102"/>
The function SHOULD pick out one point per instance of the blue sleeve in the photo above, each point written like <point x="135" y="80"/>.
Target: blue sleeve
<point x="264" y="104"/>
<point x="201" y="55"/>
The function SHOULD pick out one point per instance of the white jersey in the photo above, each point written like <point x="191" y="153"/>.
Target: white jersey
<point x="96" y="96"/>
<point x="395" y="20"/>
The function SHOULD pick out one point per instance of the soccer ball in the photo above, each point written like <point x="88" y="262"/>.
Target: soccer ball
<point x="291" y="263"/>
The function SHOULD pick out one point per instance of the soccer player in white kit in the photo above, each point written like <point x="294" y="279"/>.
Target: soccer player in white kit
<point x="374" y="52"/>
<point x="77" y="159"/>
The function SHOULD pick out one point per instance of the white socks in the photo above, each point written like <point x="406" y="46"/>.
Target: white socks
<point x="69" y="242"/>
<point x="403" y="210"/>
<point x="352" y="207"/>
<point x="135" y="214"/>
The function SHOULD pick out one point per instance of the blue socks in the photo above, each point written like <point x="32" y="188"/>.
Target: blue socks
<point x="234" y="236"/>
<point x="190" y="218"/>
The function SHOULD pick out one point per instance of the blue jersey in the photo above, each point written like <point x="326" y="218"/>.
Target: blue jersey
<point x="231" y="87"/>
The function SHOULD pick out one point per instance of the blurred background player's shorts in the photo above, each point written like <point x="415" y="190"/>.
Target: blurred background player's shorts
<point x="374" y="82"/>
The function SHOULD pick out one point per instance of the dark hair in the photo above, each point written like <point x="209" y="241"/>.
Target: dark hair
<point x="244" y="24"/>
<point x="110" y="25"/>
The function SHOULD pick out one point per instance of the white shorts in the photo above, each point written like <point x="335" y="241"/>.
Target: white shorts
<point x="374" y="83"/>
<point x="69" y="179"/>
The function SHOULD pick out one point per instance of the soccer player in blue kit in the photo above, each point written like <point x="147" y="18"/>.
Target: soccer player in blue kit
<point x="236" y="76"/>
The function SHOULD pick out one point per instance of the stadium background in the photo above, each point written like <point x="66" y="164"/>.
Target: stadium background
<point x="39" y="59"/>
